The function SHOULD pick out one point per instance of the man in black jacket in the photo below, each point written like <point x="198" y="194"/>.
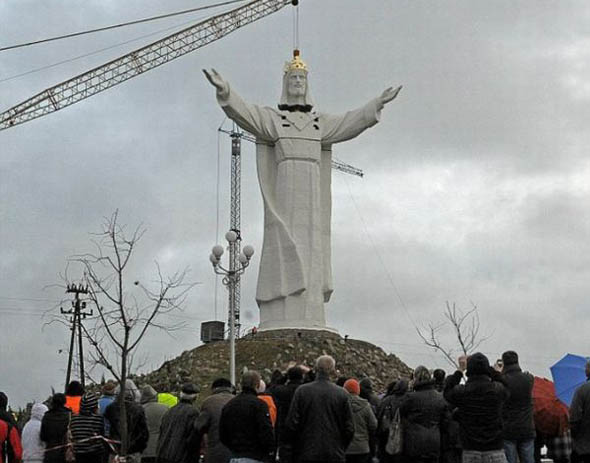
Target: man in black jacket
<point x="519" y="427"/>
<point x="320" y="425"/>
<point x="180" y="440"/>
<point x="283" y="396"/>
<point x="137" y="430"/>
<point x="479" y="403"/>
<point x="244" y="427"/>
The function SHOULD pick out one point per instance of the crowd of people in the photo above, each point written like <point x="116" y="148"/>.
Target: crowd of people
<point x="479" y="414"/>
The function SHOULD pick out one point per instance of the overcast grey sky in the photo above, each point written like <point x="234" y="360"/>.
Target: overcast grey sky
<point x="476" y="179"/>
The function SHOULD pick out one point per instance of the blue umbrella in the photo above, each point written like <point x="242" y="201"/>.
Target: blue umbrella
<point x="568" y="374"/>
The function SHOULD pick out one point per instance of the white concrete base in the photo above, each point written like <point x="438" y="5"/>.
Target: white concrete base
<point x="272" y="327"/>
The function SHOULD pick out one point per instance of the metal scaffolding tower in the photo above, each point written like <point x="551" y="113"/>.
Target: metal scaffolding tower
<point x="234" y="225"/>
<point x="236" y="136"/>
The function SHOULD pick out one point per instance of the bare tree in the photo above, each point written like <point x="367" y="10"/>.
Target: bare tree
<point x="124" y="310"/>
<point x="466" y="331"/>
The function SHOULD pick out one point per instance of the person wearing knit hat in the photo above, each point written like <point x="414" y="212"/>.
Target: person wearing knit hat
<point x="189" y="392"/>
<point x="519" y="427"/>
<point x="478" y="364"/>
<point x="352" y="386"/>
<point x="365" y="425"/>
<point x="479" y="403"/>
<point x="180" y="440"/>
<point x="85" y="428"/>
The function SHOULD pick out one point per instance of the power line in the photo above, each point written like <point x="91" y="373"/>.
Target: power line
<point x="85" y="55"/>
<point x="25" y="309"/>
<point x="29" y="299"/>
<point x="380" y="257"/>
<point x="116" y="26"/>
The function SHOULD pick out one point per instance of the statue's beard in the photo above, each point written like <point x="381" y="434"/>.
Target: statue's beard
<point x="304" y="108"/>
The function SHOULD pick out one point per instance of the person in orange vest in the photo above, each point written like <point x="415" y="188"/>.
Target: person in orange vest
<point x="74" y="393"/>
<point x="267" y="398"/>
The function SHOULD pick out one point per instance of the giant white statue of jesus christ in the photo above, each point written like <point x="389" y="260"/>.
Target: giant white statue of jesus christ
<point x="294" y="157"/>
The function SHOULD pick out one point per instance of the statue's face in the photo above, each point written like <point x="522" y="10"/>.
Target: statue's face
<point x="297" y="83"/>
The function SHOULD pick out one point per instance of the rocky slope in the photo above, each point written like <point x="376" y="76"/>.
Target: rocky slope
<point x="267" y="351"/>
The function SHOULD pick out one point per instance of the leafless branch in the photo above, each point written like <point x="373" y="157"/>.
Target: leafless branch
<point x="432" y="340"/>
<point x="466" y="329"/>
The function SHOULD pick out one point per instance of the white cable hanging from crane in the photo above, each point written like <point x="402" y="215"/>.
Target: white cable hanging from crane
<point x="295" y="4"/>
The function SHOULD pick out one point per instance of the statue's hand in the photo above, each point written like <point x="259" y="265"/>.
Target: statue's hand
<point x="389" y="94"/>
<point x="216" y="80"/>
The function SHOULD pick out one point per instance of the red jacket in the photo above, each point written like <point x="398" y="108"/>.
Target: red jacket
<point x="9" y="435"/>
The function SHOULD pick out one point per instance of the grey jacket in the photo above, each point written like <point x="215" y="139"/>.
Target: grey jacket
<point x="580" y="419"/>
<point x="179" y="440"/>
<point x="320" y="424"/>
<point x="365" y="425"/>
<point x="154" y="412"/>
<point x="208" y="423"/>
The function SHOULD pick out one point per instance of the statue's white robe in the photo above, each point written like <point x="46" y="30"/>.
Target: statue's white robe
<point x="294" y="157"/>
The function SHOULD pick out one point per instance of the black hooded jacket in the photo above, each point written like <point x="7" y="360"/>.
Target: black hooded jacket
<point x="425" y="415"/>
<point x="479" y="409"/>
<point x="54" y="426"/>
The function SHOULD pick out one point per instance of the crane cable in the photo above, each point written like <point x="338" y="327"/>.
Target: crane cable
<point x="296" y="25"/>
<point x="115" y="26"/>
<point x="95" y="52"/>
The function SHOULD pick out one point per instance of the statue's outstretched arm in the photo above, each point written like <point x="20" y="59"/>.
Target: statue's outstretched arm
<point x="217" y="81"/>
<point x="250" y="117"/>
<point x="339" y="128"/>
<point x="389" y="94"/>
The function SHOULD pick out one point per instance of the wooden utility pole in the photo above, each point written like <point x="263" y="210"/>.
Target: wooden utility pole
<point x="76" y="321"/>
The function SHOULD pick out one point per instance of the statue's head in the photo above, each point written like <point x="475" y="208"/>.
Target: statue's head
<point x="296" y="95"/>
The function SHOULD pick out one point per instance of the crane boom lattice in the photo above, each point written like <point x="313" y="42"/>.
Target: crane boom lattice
<point x="137" y="62"/>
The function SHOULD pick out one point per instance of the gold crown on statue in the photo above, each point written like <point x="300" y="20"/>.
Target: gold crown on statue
<point x="296" y="64"/>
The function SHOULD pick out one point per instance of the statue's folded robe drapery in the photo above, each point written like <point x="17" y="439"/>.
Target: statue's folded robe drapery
<point x="298" y="137"/>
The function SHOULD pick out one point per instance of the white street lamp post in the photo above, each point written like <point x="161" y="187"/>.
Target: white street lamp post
<point x="230" y="278"/>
